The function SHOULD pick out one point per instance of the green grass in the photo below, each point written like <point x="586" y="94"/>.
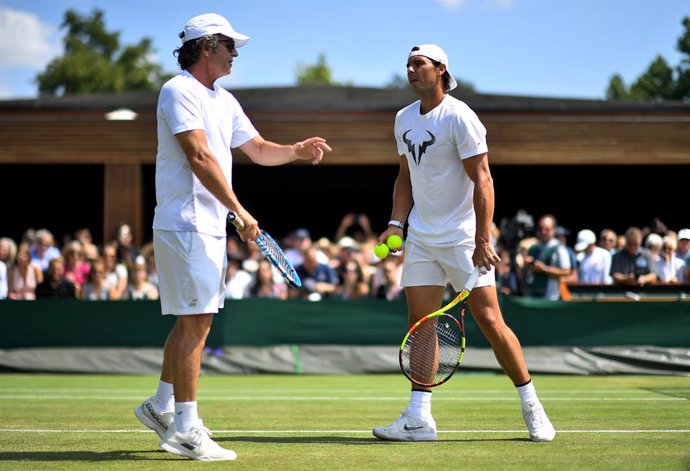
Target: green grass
<point x="275" y="423"/>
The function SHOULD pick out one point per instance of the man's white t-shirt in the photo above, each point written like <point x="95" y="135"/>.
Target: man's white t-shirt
<point x="435" y="145"/>
<point x="182" y="201"/>
<point x="594" y="268"/>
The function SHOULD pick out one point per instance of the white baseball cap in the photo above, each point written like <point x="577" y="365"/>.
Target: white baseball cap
<point x="209" y="24"/>
<point x="684" y="234"/>
<point x="433" y="52"/>
<point x="585" y="238"/>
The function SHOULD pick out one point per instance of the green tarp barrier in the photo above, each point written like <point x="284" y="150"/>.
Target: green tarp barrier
<point x="264" y="322"/>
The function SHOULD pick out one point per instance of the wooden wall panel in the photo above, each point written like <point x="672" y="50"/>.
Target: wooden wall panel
<point x="123" y="200"/>
<point x="366" y="138"/>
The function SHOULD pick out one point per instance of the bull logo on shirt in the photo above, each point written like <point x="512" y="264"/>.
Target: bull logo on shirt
<point x="417" y="157"/>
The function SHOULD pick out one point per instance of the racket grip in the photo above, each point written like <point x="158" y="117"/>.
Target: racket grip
<point x="472" y="280"/>
<point x="235" y="220"/>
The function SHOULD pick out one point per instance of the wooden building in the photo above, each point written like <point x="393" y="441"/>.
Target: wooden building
<point x="104" y="167"/>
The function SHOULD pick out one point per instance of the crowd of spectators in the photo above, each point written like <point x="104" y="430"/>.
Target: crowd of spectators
<point x="37" y="267"/>
<point x="543" y="260"/>
<point x="536" y="260"/>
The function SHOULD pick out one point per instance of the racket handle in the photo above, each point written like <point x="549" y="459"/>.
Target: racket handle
<point x="472" y="280"/>
<point x="235" y="220"/>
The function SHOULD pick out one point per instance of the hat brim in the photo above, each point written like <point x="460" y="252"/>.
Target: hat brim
<point x="581" y="246"/>
<point x="452" y="83"/>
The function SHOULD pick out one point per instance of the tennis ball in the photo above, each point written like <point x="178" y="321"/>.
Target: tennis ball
<point x="381" y="251"/>
<point x="394" y="242"/>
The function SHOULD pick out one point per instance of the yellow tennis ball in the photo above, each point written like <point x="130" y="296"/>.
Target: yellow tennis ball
<point x="394" y="242"/>
<point x="381" y="251"/>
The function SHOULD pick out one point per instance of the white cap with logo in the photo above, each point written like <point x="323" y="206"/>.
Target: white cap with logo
<point x="435" y="53"/>
<point x="585" y="238"/>
<point x="209" y="24"/>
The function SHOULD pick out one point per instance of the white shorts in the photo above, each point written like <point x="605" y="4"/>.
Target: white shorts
<point x="430" y="265"/>
<point x="191" y="272"/>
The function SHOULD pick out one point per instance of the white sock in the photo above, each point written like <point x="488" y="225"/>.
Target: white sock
<point x="527" y="392"/>
<point x="165" y="397"/>
<point x="186" y="416"/>
<point x="420" y="404"/>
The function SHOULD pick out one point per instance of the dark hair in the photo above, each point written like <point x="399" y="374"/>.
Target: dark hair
<point x="446" y="75"/>
<point x="188" y="54"/>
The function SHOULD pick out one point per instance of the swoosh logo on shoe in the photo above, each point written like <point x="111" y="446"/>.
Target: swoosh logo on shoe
<point x="412" y="429"/>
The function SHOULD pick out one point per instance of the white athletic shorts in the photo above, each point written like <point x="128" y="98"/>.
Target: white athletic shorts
<point x="430" y="265"/>
<point x="191" y="272"/>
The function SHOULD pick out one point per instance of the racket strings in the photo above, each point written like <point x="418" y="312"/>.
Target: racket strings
<point x="271" y="249"/>
<point x="434" y="350"/>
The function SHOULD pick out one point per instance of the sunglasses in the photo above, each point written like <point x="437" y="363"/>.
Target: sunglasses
<point x="229" y="44"/>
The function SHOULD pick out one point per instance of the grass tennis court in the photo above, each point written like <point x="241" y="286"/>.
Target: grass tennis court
<point x="274" y="422"/>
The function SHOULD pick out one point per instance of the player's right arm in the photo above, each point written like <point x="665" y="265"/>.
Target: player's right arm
<point x="206" y="168"/>
<point x="402" y="200"/>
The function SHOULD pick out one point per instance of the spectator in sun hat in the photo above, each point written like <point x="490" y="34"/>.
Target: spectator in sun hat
<point x="683" y="250"/>
<point x="593" y="262"/>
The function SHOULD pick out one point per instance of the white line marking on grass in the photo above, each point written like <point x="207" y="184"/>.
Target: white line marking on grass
<point x="312" y="432"/>
<point x="513" y="397"/>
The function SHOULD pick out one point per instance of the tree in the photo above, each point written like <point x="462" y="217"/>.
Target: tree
<point x="317" y="74"/>
<point x="660" y="81"/>
<point x="94" y="61"/>
<point x="617" y="89"/>
<point x="683" y="69"/>
<point x="655" y="84"/>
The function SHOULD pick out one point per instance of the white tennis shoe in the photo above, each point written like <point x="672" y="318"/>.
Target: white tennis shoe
<point x="408" y="428"/>
<point x="196" y="445"/>
<point x="149" y="415"/>
<point x="538" y="424"/>
<point x="158" y="421"/>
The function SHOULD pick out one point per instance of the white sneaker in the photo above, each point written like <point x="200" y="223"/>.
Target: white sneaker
<point x="408" y="428"/>
<point x="149" y="415"/>
<point x="538" y="424"/>
<point x="196" y="445"/>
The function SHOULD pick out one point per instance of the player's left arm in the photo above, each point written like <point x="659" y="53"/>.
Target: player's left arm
<point x="477" y="168"/>
<point x="269" y="153"/>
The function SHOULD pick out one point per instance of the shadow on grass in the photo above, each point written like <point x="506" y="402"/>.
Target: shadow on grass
<point x="86" y="456"/>
<point x="354" y="440"/>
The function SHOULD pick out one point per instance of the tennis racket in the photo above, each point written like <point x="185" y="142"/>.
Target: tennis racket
<point x="272" y="252"/>
<point x="433" y="348"/>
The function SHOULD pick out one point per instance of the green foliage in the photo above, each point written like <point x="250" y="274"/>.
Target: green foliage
<point x="95" y="61"/>
<point x="617" y="89"/>
<point x="315" y="74"/>
<point x="660" y="81"/>
<point x="655" y="84"/>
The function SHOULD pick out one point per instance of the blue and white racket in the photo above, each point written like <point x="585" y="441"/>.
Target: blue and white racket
<point x="272" y="252"/>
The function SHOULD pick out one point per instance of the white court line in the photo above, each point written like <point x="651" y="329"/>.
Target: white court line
<point x="312" y="432"/>
<point x="544" y="398"/>
<point x="258" y="389"/>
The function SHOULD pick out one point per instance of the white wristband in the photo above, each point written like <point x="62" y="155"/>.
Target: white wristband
<point x="393" y="222"/>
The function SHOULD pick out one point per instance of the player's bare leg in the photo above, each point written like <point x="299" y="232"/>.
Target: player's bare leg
<point x="483" y="303"/>
<point x="182" y="362"/>
<point x="416" y="422"/>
